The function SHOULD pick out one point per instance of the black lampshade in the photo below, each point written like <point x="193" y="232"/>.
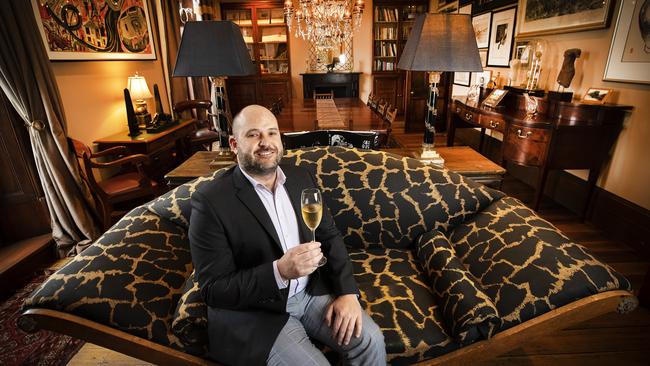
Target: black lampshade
<point x="441" y="42"/>
<point x="213" y="48"/>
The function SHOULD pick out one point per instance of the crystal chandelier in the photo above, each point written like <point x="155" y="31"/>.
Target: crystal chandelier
<point x="325" y="23"/>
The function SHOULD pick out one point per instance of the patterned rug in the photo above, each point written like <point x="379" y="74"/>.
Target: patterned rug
<point x="42" y="348"/>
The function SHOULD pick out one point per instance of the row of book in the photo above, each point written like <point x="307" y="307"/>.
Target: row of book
<point x="385" y="33"/>
<point x="380" y="65"/>
<point x="386" y="15"/>
<point x="386" y="49"/>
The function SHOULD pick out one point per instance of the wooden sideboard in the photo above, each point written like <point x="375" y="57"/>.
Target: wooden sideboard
<point x="165" y="149"/>
<point x="561" y="135"/>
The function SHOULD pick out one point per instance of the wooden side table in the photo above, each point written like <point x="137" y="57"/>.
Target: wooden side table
<point x="198" y="165"/>
<point x="465" y="161"/>
<point x="165" y="149"/>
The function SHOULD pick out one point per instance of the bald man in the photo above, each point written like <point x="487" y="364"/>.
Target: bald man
<point x="258" y="271"/>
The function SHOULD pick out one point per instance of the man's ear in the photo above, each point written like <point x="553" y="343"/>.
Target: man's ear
<point x="233" y="144"/>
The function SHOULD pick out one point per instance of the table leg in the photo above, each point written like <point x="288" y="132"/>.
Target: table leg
<point x="539" y="191"/>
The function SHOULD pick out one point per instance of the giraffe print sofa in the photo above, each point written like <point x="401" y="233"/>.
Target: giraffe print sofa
<point x="449" y="269"/>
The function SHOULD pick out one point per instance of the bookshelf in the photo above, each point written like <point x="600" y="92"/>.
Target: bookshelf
<point x="266" y="35"/>
<point x="392" y="23"/>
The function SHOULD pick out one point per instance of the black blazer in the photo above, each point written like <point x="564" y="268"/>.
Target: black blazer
<point x="233" y="244"/>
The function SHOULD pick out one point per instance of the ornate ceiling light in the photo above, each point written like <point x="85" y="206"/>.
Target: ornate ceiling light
<point x="325" y="23"/>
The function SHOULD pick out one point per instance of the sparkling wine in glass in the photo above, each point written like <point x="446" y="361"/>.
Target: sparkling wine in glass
<point x="311" y="205"/>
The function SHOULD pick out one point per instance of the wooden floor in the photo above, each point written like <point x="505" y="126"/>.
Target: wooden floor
<point x="611" y="339"/>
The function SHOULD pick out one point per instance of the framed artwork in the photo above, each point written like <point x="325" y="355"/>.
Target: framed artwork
<point x="501" y="36"/>
<point x="461" y="78"/>
<point x="548" y="17"/>
<point x="113" y="31"/>
<point x="481" y="25"/>
<point x="629" y="53"/>
<point x="482" y="6"/>
<point x="493" y="99"/>
<point x="465" y="9"/>
<point x="483" y="55"/>
<point x="481" y="78"/>
<point x="523" y="51"/>
<point x="596" y="95"/>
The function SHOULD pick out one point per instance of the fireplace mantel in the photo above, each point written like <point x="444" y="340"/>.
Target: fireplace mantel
<point x="344" y="84"/>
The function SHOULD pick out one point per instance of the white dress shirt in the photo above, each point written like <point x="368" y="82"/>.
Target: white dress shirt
<point x="278" y="206"/>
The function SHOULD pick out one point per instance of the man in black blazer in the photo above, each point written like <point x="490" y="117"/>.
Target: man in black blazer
<point x="265" y="293"/>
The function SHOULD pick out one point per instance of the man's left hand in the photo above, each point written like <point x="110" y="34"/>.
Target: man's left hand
<point x="343" y="316"/>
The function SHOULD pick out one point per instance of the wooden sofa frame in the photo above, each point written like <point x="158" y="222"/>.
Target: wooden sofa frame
<point x="575" y="312"/>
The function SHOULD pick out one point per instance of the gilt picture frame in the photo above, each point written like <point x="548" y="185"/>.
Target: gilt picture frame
<point x="116" y="31"/>
<point x="629" y="54"/>
<point x="539" y="17"/>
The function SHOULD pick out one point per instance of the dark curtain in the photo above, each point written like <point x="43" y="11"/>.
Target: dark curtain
<point x="28" y="82"/>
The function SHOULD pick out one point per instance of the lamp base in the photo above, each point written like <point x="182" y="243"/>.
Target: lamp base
<point x="430" y="156"/>
<point x="144" y="120"/>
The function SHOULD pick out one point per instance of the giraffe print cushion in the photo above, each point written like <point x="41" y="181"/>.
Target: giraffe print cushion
<point x="526" y="265"/>
<point x="469" y="314"/>
<point x="190" y="323"/>
<point x="131" y="278"/>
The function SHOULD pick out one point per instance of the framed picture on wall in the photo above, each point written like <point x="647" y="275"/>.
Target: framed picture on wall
<point x="461" y="78"/>
<point x="629" y="53"/>
<point x="481" y="25"/>
<point x="109" y="34"/>
<point x="501" y="36"/>
<point x="548" y="17"/>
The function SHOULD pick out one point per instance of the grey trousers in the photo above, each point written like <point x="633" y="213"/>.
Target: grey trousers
<point x="307" y="319"/>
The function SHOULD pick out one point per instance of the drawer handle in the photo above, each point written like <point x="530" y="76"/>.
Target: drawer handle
<point x="468" y="116"/>
<point x="494" y="124"/>
<point x="457" y="110"/>
<point x="522" y="135"/>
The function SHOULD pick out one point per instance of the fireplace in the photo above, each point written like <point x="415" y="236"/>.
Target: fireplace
<point x="344" y="84"/>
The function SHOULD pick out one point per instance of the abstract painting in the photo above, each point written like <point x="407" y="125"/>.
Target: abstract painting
<point x="95" y="29"/>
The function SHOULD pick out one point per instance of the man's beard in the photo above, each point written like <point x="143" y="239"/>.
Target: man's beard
<point x="253" y="167"/>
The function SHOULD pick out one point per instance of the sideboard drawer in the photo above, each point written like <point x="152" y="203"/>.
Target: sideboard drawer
<point x="493" y="123"/>
<point x="525" y="145"/>
<point x="467" y="115"/>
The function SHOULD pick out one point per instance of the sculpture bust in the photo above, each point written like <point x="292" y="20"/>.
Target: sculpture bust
<point x="568" y="70"/>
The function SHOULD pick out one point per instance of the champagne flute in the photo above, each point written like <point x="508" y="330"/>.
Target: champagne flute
<point x="311" y="206"/>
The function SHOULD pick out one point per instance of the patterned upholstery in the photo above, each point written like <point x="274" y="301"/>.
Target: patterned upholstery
<point x="526" y="265"/>
<point x="133" y="277"/>
<point x="468" y="312"/>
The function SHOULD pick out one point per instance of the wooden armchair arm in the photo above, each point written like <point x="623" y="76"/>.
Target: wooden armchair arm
<point x="115" y="150"/>
<point x="33" y="320"/>
<point x="132" y="159"/>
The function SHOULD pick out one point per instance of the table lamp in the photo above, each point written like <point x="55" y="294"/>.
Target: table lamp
<point x="439" y="43"/>
<point x="139" y="91"/>
<point x="214" y="49"/>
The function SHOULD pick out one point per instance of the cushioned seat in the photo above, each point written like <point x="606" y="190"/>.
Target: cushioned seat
<point x="124" y="183"/>
<point x="396" y="294"/>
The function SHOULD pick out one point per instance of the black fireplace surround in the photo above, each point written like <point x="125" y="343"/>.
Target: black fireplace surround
<point x="344" y="84"/>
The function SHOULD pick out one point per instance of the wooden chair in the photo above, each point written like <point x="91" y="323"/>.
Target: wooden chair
<point x="116" y="195"/>
<point x="372" y="100"/>
<point x="329" y="95"/>
<point x="205" y="134"/>
<point x="371" y="97"/>
<point x="389" y="119"/>
<point x="381" y="108"/>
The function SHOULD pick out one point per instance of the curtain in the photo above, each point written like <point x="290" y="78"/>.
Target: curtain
<point x="28" y="82"/>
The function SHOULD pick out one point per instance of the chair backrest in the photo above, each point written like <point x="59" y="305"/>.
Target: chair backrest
<point x="359" y="139"/>
<point x="371" y="97"/>
<point x="329" y="95"/>
<point x="381" y="108"/>
<point x="195" y="108"/>
<point x="391" y="113"/>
